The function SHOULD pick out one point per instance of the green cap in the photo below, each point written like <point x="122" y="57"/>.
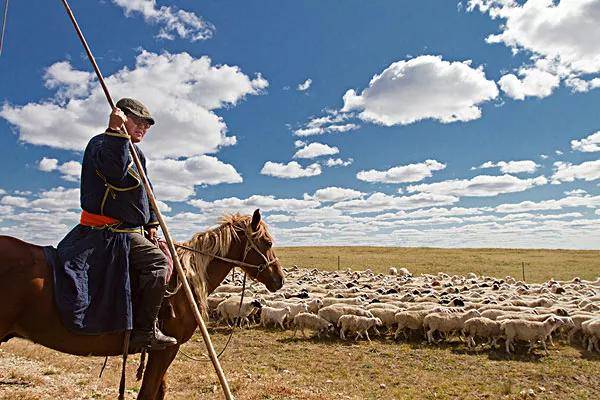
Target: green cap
<point x="136" y="108"/>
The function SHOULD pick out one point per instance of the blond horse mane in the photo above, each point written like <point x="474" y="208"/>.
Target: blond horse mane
<point x="215" y="241"/>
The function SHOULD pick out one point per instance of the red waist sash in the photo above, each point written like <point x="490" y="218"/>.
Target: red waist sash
<point x="96" y="220"/>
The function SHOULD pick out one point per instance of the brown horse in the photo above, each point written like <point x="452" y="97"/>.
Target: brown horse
<point x="27" y="307"/>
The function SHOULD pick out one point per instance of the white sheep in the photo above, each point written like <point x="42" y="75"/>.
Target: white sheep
<point x="274" y="316"/>
<point x="230" y="311"/>
<point x="409" y="320"/>
<point x="392" y="271"/>
<point x="386" y="315"/>
<point x="358" y="325"/>
<point x="591" y="332"/>
<point x="295" y="308"/>
<point x="311" y="321"/>
<point x="446" y="323"/>
<point x="481" y="327"/>
<point x="334" y="312"/>
<point x="531" y="331"/>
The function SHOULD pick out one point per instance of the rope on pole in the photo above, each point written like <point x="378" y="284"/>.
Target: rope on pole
<point x="3" y="26"/>
<point x="161" y="220"/>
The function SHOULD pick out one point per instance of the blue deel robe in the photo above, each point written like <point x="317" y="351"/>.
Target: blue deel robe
<point x="91" y="265"/>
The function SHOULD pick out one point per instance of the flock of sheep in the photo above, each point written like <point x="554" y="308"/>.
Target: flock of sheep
<point x="432" y="307"/>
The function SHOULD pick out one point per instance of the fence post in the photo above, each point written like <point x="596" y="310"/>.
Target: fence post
<point x="523" y="268"/>
<point x="338" y="263"/>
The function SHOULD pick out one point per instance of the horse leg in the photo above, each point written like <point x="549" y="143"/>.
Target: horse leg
<point x="154" y="383"/>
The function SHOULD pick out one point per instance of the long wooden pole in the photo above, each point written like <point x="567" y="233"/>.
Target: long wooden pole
<point x="161" y="220"/>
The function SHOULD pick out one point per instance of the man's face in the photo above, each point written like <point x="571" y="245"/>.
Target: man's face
<point x="136" y="127"/>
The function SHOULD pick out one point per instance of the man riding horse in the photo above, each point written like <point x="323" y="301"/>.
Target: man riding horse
<point x="95" y="294"/>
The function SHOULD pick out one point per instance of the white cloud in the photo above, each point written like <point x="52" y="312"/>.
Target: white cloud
<point x="48" y="164"/>
<point x="319" y="130"/>
<point x="560" y="36"/>
<point x="68" y="82"/>
<point x="425" y="87"/>
<point x="558" y="152"/>
<point x="305" y="85"/>
<point x="58" y="198"/>
<point x="174" y="180"/>
<point x="403" y="173"/>
<point x="567" y="172"/>
<point x="248" y="205"/>
<point x="180" y="91"/>
<point x="290" y="170"/>
<point x="315" y="149"/>
<point x="575" y="192"/>
<point x="173" y="21"/>
<point x="71" y="170"/>
<point x="338" y="162"/>
<point x="565" y="202"/>
<point x="589" y="144"/>
<point x="512" y="167"/>
<point x="334" y="194"/>
<point x="378" y="202"/>
<point x="15" y="201"/>
<point x="479" y="186"/>
<point x="534" y="83"/>
<point x="299" y="143"/>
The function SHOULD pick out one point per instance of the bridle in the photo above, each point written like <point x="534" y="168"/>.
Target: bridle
<point x="250" y="245"/>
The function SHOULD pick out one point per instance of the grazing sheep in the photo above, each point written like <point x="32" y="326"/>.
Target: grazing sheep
<point x="358" y="325"/>
<point x="314" y="305"/>
<point x="386" y="315"/>
<point x="334" y="312"/>
<point x="531" y="331"/>
<point x="591" y="332"/>
<point x="481" y="327"/>
<point x="295" y="308"/>
<point x="354" y="301"/>
<point x="446" y="323"/>
<point x="409" y="320"/>
<point x="392" y="271"/>
<point x="274" y="316"/>
<point x="230" y="311"/>
<point x="311" y="321"/>
<point x="578" y="319"/>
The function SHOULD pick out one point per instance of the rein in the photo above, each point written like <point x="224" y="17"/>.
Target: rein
<point x="260" y="268"/>
<point x="249" y="245"/>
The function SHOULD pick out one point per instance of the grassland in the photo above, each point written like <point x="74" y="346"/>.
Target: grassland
<point x="540" y="265"/>
<point x="267" y="364"/>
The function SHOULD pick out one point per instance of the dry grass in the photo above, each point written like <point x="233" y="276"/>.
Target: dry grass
<point x="540" y="265"/>
<point x="268" y="364"/>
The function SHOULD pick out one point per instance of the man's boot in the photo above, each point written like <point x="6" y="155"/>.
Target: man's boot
<point x="145" y="328"/>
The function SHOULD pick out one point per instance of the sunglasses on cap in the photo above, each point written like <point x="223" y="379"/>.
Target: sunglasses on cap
<point x="141" y="122"/>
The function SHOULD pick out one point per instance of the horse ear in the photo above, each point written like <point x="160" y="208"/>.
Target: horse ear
<point x="255" y="219"/>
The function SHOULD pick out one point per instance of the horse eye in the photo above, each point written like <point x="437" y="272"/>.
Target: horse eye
<point x="269" y="244"/>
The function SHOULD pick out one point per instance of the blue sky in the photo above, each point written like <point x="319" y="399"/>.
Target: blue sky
<point x="435" y="123"/>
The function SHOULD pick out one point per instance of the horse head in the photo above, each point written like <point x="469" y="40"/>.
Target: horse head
<point x="259" y="251"/>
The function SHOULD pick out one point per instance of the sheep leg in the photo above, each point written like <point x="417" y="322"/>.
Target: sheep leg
<point x="551" y="341"/>
<point x="430" y="336"/>
<point x="295" y="330"/>
<point x="507" y="345"/>
<point x="397" y="333"/>
<point x="358" y="335"/>
<point x="545" y="348"/>
<point x="342" y="336"/>
<point x="367" y="333"/>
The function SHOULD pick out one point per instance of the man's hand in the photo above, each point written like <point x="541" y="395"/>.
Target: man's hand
<point x="117" y="119"/>
<point x="152" y="234"/>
